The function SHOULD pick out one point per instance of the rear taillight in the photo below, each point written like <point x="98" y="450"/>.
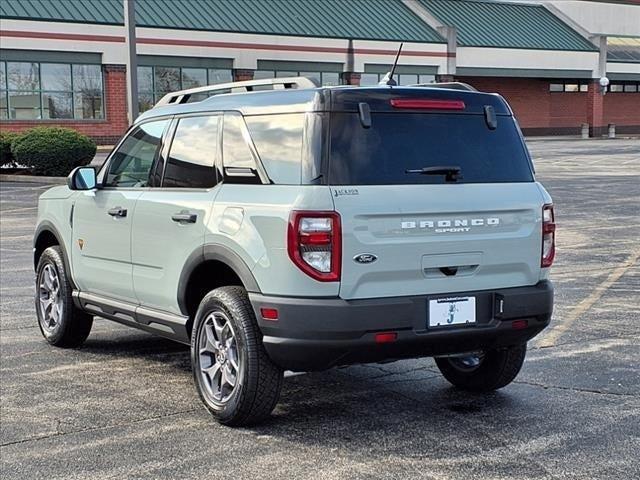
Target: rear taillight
<point x="315" y="244"/>
<point x="548" y="236"/>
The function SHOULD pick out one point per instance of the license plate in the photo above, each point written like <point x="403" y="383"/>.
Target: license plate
<point x="452" y="311"/>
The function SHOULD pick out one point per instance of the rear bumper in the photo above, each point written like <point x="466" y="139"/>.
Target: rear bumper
<point x="318" y="333"/>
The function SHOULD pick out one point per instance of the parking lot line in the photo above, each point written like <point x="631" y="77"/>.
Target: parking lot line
<point x="552" y="337"/>
<point x="14" y="210"/>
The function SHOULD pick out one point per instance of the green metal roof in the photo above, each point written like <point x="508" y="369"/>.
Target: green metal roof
<point x="361" y="19"/>
<point x="486" y="23"/>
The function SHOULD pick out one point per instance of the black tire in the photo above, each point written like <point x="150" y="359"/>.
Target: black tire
<point x="257" y="380"/>
<point x="497" y="368"/>
<point x="73" y="325"/>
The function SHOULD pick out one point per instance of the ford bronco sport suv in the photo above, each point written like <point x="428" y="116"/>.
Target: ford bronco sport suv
<point x="276" y="225"/>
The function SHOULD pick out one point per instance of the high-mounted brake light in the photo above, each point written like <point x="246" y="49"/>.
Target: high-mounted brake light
<point x="314" y="243"/>
<point x="548" y="236"/>
<point x="417" y="103"/>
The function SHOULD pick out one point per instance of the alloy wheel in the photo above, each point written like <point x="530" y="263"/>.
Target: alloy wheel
<point x="50" y="298"/>
<point x="218" y="357"/>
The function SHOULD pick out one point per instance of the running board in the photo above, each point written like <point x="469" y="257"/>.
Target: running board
<point x="168" y="325"/>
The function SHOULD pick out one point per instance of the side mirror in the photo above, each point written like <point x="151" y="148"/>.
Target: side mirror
<point x="82" y="178"/>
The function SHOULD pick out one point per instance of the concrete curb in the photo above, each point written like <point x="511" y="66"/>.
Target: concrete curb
<point x="33" y="179"/>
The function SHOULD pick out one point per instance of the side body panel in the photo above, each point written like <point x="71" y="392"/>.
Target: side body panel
<point x="252" y="220"/>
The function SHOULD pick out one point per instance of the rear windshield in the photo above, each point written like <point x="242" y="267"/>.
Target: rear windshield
<point x="397" y="142"/>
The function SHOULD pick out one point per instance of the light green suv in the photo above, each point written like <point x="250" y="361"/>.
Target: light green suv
<point x="276" y="225"/>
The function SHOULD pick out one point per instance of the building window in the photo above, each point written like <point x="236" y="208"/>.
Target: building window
<point x="155" y="82"/>
<point x="326" y="79"/>
<point x="33" y="91"/>
<point x="570" y="86"/>
<point x="369" y="79"/>
<point x="624" y="87"/>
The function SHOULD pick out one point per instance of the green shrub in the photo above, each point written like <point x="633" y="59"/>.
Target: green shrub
<point x="6" y="157"/>
<point x="53" y="151"/>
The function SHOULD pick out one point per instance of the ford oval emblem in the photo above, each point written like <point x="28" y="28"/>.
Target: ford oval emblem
<point x="365" y="258"/>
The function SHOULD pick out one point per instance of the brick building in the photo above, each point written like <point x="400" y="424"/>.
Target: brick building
<point x="63" y="62"/>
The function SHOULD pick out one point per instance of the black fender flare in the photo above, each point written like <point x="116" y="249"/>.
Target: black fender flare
<point x="220" y="253"/>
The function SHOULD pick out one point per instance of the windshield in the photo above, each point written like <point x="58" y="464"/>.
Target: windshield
<point x="416" y="142"/>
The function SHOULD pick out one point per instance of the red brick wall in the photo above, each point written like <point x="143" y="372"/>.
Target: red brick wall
<point x="538" y="111"/>
<point x="104" y="132"/>
<point x="567" y="109"/>
<point x="541" y="112"/>
<point x="623" y="109"/>
<point x="529" y="99"/>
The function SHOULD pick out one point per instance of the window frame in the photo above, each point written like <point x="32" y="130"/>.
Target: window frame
<point x="41" y="92"/>
<point x="168" y="142"/>
<point x="622" y="84"/>
<point x="246" y="135"/>
<point x="582" y="84"/>
<point x="398" y="78"/>
<point x="104" y="170"/>
<point x="319" y="75"/>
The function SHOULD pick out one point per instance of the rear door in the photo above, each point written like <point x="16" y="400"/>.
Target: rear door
<point x="170" y="218"/>
<point x="439" y="201"/>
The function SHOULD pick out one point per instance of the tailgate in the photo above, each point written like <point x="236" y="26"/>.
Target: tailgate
<point x="429" y="239"/>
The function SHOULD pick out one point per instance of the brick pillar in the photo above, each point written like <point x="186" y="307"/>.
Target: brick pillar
<point x="242" y="74"/>
<point x="350" y="78"/>
<point x="595" y="109"/>
<point x="115" y="100"/>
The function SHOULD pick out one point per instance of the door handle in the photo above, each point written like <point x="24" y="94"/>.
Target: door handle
<point x="184" y="217"/>
<point x="117" y="212"/>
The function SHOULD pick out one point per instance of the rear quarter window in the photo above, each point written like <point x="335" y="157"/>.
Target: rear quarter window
<point x="278" y="140"/>
<point x="397" y="142"/>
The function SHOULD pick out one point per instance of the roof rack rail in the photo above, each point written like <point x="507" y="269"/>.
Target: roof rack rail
<point x="183" y="96"/>
<point x="450" y="85"/>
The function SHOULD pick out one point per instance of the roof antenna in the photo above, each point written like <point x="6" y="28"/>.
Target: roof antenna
<point x="388" y="78"/>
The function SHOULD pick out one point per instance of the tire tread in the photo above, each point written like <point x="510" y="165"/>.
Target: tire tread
<point x="260" y="396"/>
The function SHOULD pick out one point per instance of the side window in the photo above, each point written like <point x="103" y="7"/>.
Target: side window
<point x="239" y="165"/>
<point x="278" y="139"/>
<point x="131" y="163"/>
<point x="193" y="152"/>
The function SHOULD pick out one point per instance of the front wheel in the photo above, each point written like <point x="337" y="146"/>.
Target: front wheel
<point x="62" y="324"/>
<point x="483" y="371"/>
<point x="235" y="378"/>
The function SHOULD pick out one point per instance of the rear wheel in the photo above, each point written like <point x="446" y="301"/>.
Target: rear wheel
<point x="234" y="377"/>
<point x="483" y="371"/>
<point x="62" y="324"/>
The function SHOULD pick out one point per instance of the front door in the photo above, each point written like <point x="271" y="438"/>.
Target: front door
<point x="170" y="219"/>
<point x="102" y="218"/>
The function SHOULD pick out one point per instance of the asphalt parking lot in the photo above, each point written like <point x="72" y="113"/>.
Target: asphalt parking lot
<point x="123" y="405"/>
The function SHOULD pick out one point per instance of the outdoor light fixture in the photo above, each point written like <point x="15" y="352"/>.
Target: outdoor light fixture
<point x="604" y="83"/>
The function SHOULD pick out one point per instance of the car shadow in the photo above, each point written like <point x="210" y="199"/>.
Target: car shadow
<point x="342" y="405"/>
<point x="140" y="345"/>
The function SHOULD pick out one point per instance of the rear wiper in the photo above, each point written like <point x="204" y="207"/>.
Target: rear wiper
<point x="452" y="174"/>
